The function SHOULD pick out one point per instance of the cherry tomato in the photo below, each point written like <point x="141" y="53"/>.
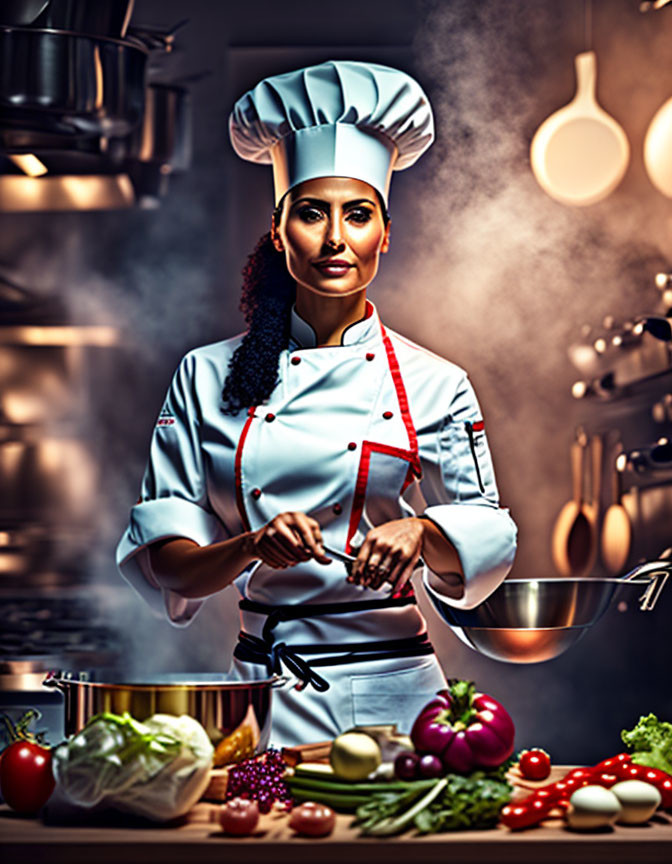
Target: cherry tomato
<point x="535" y="764"/>
<point x="525" y="814"/>
<point x="239" y="817"/>
<point x="659" y="779"/>
<point x="611" y="763"/>
<point x="604" y="778"/>
<point x="25" y="776"/>
<point x="586" y="773"/>
<point x="313" y="820"/>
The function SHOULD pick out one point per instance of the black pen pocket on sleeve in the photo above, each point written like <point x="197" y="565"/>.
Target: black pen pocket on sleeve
<point x="471" y="428"/>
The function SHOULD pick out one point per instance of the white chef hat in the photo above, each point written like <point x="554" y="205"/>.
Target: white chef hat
<point x="342" y="118"/>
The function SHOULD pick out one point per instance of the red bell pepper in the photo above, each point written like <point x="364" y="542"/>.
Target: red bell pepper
<point x="465" y="729"/>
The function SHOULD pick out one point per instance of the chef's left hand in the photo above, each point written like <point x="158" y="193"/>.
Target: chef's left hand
<point x="389" y="554"/>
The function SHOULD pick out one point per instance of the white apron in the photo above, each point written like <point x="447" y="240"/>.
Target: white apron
<point x="353" y="435"/>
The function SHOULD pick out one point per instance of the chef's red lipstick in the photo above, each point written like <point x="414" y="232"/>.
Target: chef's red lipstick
<point x="333" y="266"/>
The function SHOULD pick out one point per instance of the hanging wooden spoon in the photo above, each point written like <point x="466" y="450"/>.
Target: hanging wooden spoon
<point x="592" y="510"/>
<point x="617" y="526"/>
<point x="570" y="542"/>
<point x="580" y="153"/>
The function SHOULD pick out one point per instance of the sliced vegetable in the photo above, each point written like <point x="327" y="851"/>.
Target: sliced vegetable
<point x="651" y="740"/>
<point x="239" y="817"/>
<point x="465" y="729"/>
<point x="535" y="764"/>
<point x="354" y="755"/>
<point x="312" y="819"/>
<point x="26" y="777"/>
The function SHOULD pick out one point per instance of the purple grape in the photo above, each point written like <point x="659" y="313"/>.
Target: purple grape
<point x="430" y="766"/>
<point x="406" y="766"/>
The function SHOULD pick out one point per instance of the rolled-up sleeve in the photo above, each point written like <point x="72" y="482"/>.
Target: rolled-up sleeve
<point x="461" y="495"/>
<point x="173" y="499"/>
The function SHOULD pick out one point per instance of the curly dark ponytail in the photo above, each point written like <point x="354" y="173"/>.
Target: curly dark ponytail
<point x="268" y="293"/>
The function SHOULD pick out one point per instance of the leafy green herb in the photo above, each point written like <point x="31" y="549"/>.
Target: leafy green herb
<point x="651" y="739"/>
<point x="452" y="803"/>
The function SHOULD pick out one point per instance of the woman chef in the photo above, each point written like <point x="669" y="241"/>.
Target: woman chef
<point x="320" y="428"/>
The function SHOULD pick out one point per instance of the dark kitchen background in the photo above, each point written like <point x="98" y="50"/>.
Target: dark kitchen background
<point x="484" y="269"/>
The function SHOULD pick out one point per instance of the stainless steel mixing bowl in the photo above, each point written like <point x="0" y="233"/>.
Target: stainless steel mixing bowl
<point x="532" y="620"/>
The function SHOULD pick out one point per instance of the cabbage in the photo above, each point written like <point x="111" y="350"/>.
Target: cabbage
<point x="157" y="769"/>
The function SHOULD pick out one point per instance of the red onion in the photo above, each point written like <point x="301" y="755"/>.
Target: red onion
<point x="406" y="766"/>
<point x="430" y="766"/>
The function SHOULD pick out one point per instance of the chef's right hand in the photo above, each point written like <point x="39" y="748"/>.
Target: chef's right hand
<point x="288" y="539"/>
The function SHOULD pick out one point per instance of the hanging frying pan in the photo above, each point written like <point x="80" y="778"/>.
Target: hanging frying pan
<point x="580" y="154"/>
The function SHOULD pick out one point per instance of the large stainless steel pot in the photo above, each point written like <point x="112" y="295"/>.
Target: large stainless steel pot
<point x="220" y="706"/>
<point x="68" y="84"/>
<point x="92" y="17"/>
<point x="532" y="620"/>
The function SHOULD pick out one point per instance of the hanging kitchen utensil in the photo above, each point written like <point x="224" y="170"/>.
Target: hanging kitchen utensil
<point x="654" y="459"/>
<point x="580" y="153"/>
<point x="617" y="527"/>
<point x="592" y="510"/>
<point x="533" y="620"/>
<point x="571" y="541"/>
<point x="657" y="144"/>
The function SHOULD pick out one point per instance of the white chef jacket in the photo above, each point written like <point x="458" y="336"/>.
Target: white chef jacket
<point x="354" y="435"/>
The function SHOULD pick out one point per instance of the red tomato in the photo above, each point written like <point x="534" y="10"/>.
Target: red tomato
<point x="524" y="814"/>
<point x="612" y="762"/>
<point x="25" y="776"/>
<point x="313" y="820"/>
<point x="535" y="764"/>
<point x="239" y="817"/>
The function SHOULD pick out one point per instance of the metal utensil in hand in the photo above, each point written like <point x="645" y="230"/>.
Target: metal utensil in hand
<point x="349" y="560"/>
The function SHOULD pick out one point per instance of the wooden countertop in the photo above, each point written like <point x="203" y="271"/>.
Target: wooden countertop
<point x="113" y="838"/>
<point x="121" y="840"/>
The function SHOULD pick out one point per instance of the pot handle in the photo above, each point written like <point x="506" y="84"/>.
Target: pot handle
<point x="657" y="572"/>
<point x="58" y="679"/>
<point x="53" y="679"/>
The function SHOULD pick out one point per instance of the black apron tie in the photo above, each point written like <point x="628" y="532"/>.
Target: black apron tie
<point x="264" y="650"/>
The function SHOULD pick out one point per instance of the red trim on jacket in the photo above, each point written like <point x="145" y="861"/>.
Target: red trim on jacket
<point x="238" y="469"/>
<point x="411" y="455"/>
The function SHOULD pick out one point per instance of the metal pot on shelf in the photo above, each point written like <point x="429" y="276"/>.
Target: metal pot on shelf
<point x="533" y="620"/>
